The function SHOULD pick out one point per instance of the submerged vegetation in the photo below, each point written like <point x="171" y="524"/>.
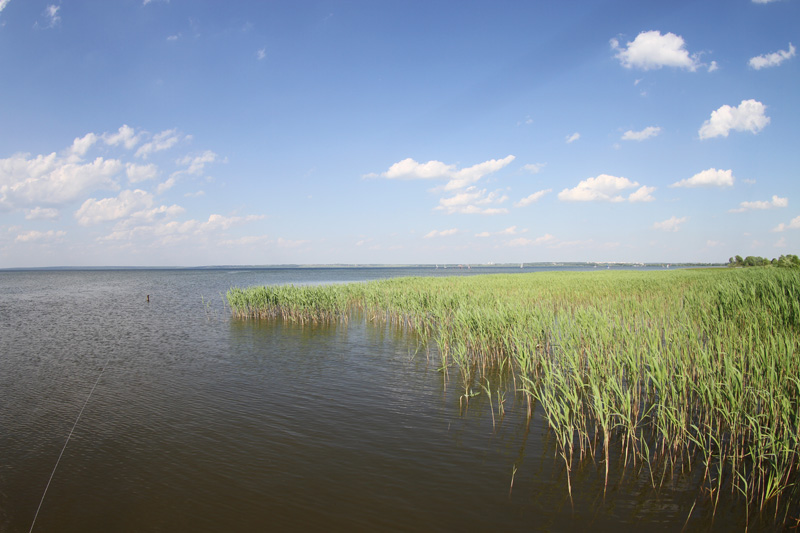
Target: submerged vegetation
<point x="692" y="373"/>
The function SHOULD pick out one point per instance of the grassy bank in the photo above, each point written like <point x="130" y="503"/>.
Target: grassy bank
<point x="677" y="371"/>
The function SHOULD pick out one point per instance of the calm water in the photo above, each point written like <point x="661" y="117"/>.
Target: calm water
<point x="204" y="423"/>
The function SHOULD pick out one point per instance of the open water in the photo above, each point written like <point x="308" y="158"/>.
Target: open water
<point x="200" y="422"/>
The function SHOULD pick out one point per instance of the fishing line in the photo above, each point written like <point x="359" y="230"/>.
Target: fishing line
<point x="67" y="442"/>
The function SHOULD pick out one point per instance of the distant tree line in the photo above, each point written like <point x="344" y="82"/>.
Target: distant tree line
<point x="784" y="261"/>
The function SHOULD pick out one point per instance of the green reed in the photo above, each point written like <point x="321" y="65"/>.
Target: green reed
<point x="678" y="371"/>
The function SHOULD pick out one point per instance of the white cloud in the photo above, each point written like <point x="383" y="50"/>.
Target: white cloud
<point x="51" y="16"/>
<point x="708" y="178"/>
<point x="511" y="230"/>
<point x="160" y="141"/>
<point x="408" y="169"/>
<point x="196" y="164"/>
<point x="440" y="233"/>
<point x="534" y="168"/>
<point x="713" y="66"/>
<point x="50" y="179"/>
<point x="531" y="198"/>
<point x="467" y="176"/>
<point x="249" y="240"/>
<point x="168" y="232"/>
<point x="772" y="60"/>
<point x="763" y="1"/>
<point x="748" y="116"/>
<point x="650" y="131"/>
<point x="137" y="173"/>
<point x="605" y="188"/>
<point x="651" y="50"/>
<point x="522" y="241"/>
<point x="37" y="236"/>
<point x="642" y="194"/>
<point x="793" y="224"/>
<point x="81" y="145"/>
<point x="125" y="136"/>
<point x="671" y="224"/>
<point x="261" y="54"/>
<point x="467" y="202"/>
<point x="94" y="211"/>
<point x="167" y="185"/>
<point x="574" y="137"/>
<point x="288" y="243"/>
<point x="769" y="204"/>
<point x="3" y="4"/>
<point x="41" y="213"/>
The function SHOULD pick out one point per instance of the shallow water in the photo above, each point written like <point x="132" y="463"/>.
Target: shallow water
<point x="204" y="423"/>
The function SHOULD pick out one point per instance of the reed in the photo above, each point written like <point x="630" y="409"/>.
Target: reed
<point x="678" y="371"/>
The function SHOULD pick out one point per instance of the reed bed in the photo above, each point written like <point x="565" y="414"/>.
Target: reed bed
<point x="689" y="372"/>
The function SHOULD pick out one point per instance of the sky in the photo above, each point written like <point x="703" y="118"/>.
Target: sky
<point x="199" y="132"/>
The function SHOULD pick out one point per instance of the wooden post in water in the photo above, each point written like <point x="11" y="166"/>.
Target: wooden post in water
<point x="148" y="298"/>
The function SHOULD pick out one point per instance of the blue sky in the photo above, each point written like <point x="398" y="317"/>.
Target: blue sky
<point x="198" y="132"/>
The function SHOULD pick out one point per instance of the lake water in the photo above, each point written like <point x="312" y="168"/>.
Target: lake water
<point x="200" y="422"/>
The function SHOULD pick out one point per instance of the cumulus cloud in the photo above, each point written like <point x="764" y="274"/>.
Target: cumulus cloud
<point x="522" y="241"/>
<point x="62" y="177"/>
<point x="289" y="243"/>
<point x="511" y="230"/>
<point x="261" y="54"/>
<point x="607" y="189"/>
<point x="793" y="224"/>
<point x="159" y="142"/>
<point x="534" y="168"/>
<point x="652" y="50"/>
<point x="440" y="233"/>
<point x="776" y="201"/>
<point x="51" y="16"/>
<point x="642" y="194"/>
<point x="708" y="178"/>
<point x="574" y="137"/>
<point x="41" y="213"/>
<point x="532" y="198"/>
<point x="671" y="224"/>
<point x="81" y="145"/>
<point x="137" y="173"/>
<point x="748" y="116"/>
<point x="125" y="136"/>
<point x="408" y="169"/>
<point x="196" y="164"/>
<point x="52" y="179"/>
<point x="3" y="4"/>
<point x="39" y="236"/>
<point x="650" y="131"/>
<point x="772" y="60"/>
<point x="94" y="211"/>
<point x="472" y="201"/>
<point x="168" y="232"/>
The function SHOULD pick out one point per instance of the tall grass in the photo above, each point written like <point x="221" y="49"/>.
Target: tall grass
<point x="681" y="371"/>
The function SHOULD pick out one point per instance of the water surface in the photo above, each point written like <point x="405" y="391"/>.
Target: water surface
<point x="204" y="423"/>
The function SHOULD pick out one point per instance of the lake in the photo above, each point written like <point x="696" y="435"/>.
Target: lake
<point x="199" y="422"/>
